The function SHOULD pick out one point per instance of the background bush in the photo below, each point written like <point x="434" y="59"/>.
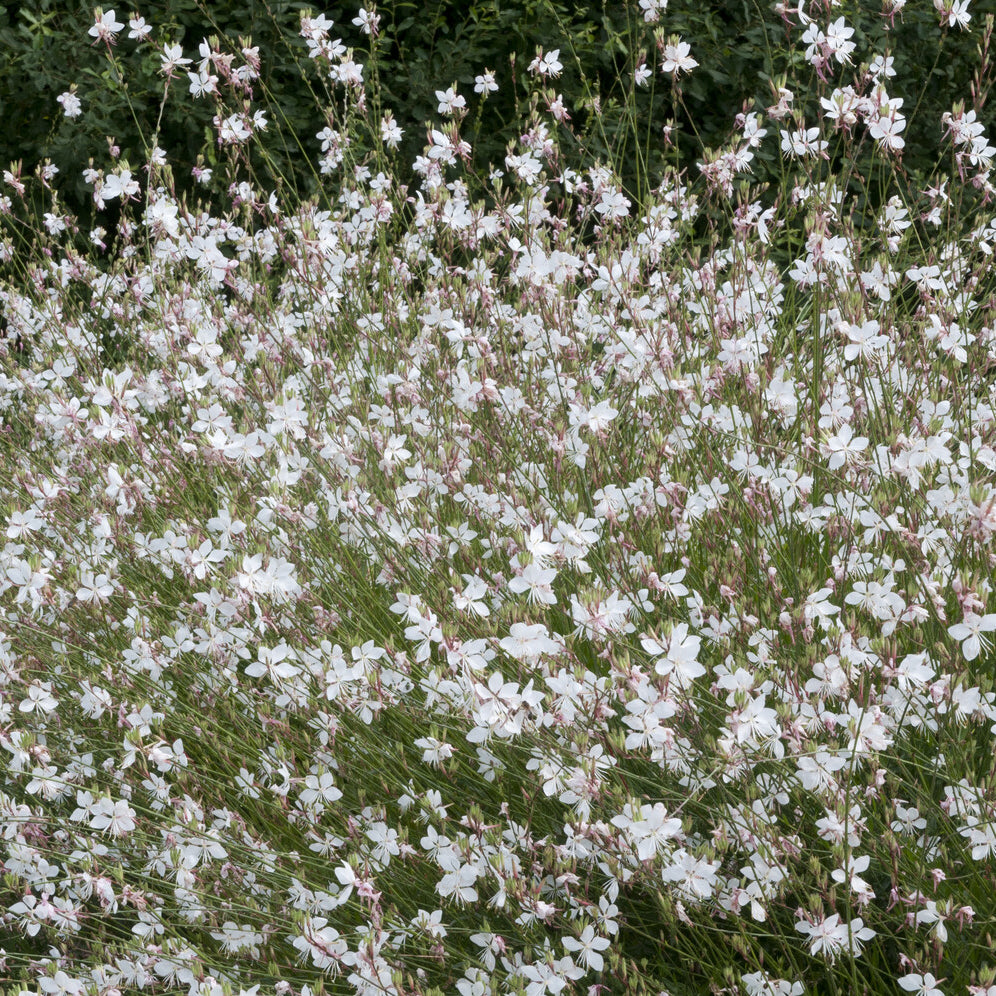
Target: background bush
<point x="741" y="48"/>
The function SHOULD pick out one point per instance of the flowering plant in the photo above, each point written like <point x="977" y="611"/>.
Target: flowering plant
<point x="587" y="588"/>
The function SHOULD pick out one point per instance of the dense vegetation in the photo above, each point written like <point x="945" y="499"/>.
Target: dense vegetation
<point x="742" y="49"/>
<point x="521" y="554"/>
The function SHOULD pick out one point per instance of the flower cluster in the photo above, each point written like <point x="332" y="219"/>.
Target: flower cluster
<point x="416" y="592"/>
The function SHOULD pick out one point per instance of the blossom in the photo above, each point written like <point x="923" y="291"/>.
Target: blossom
<point x="94" y="588"/>
<point x="202" y="83"/>
<point x="118" y="818"/>
<point x="589" y="945"/>
<point x="367" y="21"/>
<point x="815" y="42"/>
<point x="137" y="28"/>
<point x="830" y="936"/>
<point x="434" y="751"/>
<point x="60" y="984"/>
<point x="694" y="877"/>
<point x="274" y="662"/>
<point x="758" y="984"/>
<point x="921" y="985"/>
<point x="842" y="446"/>
<point x="969" y="632"/>
<point x="804" y="142"/>
<point x="613" y="204"/>
<point x="865" y="340"/>
<point x="882" y="66"/>
<point x="653" y="831"/>
<point x="471" y="598"/>
<point x="450" y="101"/>
<point x="72" y="107"/>
<point x="954" y="13"/>
<point x="537" y="581"/>
<point x="816" y="773"/>
<point x="319" y="789"/>
<point x="40" y="697"/>
<point x="547" y="65"/>
<point x="838" y="40"/>
<point x="322" y="943"/>
<point x="677" y="58"/>
<point x="459" y="883"/>
<point x="886" y="129"/>
<point x="105" y="26"/>
<point x="850" y="875"/>
<point x="485" y="83"/>
<point x="602" y="616"/>
<point x="652" y="10"/>
<point x="233" y="129"/>
<point x="119" y="185"/>
<point x="390" y="133"/>
<point x="677" y="656"/>
<point x="172" y="58"/>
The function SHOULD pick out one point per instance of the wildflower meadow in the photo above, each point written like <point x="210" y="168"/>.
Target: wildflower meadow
<point x="506" y="581"/>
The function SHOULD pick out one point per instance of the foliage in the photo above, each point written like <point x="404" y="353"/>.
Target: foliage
<point x="741" y="48"/>
<point x="566" y="580"/>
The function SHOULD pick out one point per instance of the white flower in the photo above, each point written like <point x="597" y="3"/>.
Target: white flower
<point x="528" y="643"/>
<point x="94" y="588"/>
<point x="805" y="142"/>
<point x="471" y="598"/>
<point x="367" y="21"/>
<point x="886" y="130"/>
<point x="923" y="985"/>
<point x="39" y="697"/>
<point x="931" y="915"/>
<point x="842" y="446"/>
<point x="537" y="581"/>
<point x="71" y="105"/>
<point x="138" y="29"/>
<point x="118" y="818"/>
<point x="319" y="789"/>
<point x="759" y="985"/>
<point x="274" y="662"/>
<point x="676" y="57"/>
<point x="105" y="26"/>
<point x="119" y="185"/>
<point x="614" y="204"/>
<point x="201" y="83"/>
<point x="838" y="40"/>
<point x="830" y="936"/>
<point x="865" y="340"/>
<point x="171" y="58"/>
<point x="653" y="831"/>
<point x="485" y="83"/>
<point x="677" y="656"/>
<point x="954" y="13"/>
<point x="652" y="10"/>
<point x="694" y="877"/>
<point x="882" y="66"/>
<point x="589" y="944"/>
<point x="322" y="942"/>
<point x="968" y="632"/>
<point x="459" y="883"/>
<point x="547" y="65"/>
<point x="450" y="101"/>
<point x="60" y="985"/>
<point x="390" y="133"/>
<point x="434" y="751"/>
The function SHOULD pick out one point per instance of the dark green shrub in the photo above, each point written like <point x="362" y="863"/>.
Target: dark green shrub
<point x="424" y="47"/>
